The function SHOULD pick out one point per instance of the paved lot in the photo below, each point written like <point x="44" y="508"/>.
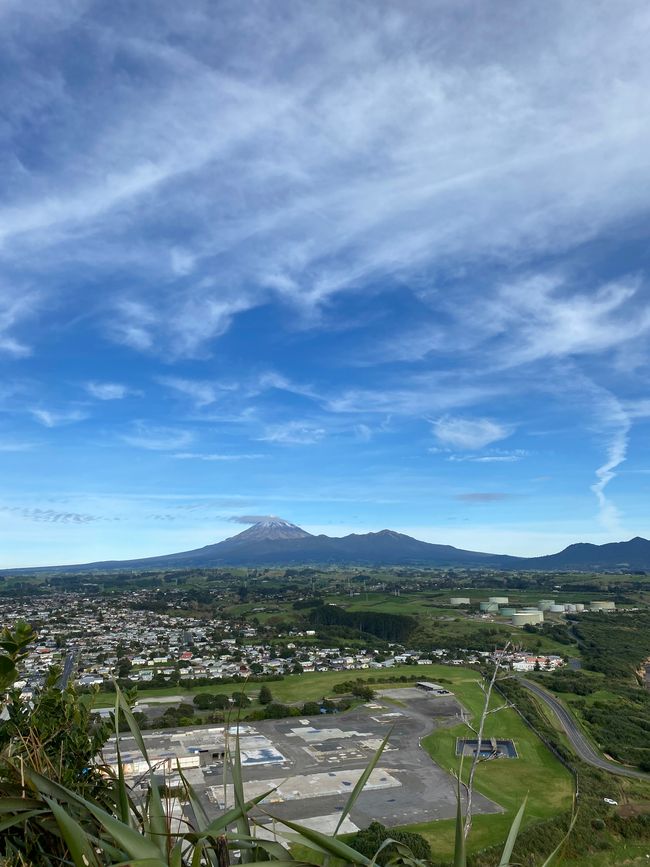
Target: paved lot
<point x="418" y="791"/>
<point x="314" y="763"/>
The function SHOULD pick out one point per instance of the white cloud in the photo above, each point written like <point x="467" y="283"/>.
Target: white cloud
<point x="9" y="446"/>
<point x="56" y="418"/>
<point x="156" y="438"/>
<point x="359" y="149"/>
<point x="16" y="307"/>
<point x="293" y="432"/>
<point x="467" y="433"/>
<point x="505" y="457"/>
<point x="201" y="393"/>
<point x="107" y="390"/>
<point x="198" y="456"/>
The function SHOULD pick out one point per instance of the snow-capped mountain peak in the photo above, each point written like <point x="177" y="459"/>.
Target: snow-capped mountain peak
<point x="271" y="527"/>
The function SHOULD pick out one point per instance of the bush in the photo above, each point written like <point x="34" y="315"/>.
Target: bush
<point x="311" y="708"/>
<point x="265" y="696"/>
<point x="370" y="839"/>
<point x="275" y="710"/>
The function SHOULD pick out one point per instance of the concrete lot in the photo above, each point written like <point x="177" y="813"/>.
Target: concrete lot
<point x="315" y="762"/>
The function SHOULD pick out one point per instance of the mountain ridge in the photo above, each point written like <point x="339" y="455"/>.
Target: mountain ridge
<point x="274" y="541"/>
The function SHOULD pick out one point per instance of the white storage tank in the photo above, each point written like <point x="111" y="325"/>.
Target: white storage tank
<point x="557" y="609"/>
<point x="500" y="600"/>
<point x="524" y="618"/>
<point x="460" y="600"/>
<point x="580" y="606"/>
<point x="602" y="606"/>
<point x="545" y="604"/>
<point x="488" y="607"/>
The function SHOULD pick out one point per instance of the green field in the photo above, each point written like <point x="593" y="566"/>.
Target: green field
<point x="536" y="773"/>
<point x="295" y="687"/>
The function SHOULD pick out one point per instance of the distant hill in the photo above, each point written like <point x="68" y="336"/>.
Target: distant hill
<point x="583" y="556"/>
<point x="274" y="541"/>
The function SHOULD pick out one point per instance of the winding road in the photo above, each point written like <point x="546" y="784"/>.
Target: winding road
<point x="579" y="741"/>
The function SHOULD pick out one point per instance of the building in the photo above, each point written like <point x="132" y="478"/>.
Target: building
<point x="433" y="688"/>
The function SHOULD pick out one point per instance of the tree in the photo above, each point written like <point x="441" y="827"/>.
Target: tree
<point x="265" y="696"/>
<point x="240" y="699"/>
<point x="124" y="667"/>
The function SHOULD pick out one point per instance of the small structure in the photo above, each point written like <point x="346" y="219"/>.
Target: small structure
<point x="602" y="606"/>
<point x="432" y="688"/>
<point x="491" y="748"/>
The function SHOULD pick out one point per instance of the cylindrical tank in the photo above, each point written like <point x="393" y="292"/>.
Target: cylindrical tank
<point x="507" y="612"/>
<point x="580" y="606"/>
<point x="488" y="607"/>
<point x="500" y="600"/>
<point x="548" y="601"/>
<point x="602" y="606"/>
<point x="570" y="607"/>
<point x="557" y="609"/>
<point x="545" y="604"/>
<point x="460" y="600"/>
<point x="523" y="618"/>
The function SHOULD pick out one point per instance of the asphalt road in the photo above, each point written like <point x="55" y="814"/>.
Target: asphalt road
<point x="68" y="668"/>
<point x="579" y="742"/>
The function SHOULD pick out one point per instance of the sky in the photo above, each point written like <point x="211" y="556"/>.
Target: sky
<point x="356" y="264"/>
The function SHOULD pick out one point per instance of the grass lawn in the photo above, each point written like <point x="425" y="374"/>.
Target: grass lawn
<point x="507" y="781"/>
<point x="294" y="687"/>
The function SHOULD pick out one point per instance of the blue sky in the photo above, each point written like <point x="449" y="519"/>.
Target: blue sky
<point x="357" y="264"/>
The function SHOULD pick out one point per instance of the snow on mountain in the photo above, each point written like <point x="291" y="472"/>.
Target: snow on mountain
<point x="270" y="528"/>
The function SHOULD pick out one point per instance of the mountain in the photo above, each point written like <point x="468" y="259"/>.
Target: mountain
<point x="274" y="541"/>
<point x="583" y="556"/>
<point x="270" y="528"/>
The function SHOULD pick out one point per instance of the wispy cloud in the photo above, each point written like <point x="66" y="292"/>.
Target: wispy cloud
<point x="51" y="516"/>
<point x="199" y="456"/>
<point x="504" y="457"/>
<point x="107" y="390"/>
<point x="469" y="433"/>
<point x="57" y="418"/>
<point x="293" y="433"/>
<point x="16" y="307"/>
<point x="157" y="438"/>
<point x="250" y="519"/>
<point x="304" y="179"/>
<point x="200" y="392"/>
<point x="15" y="446"/>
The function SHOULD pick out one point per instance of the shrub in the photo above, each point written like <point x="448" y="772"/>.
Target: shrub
<point x="368" y="841"/>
